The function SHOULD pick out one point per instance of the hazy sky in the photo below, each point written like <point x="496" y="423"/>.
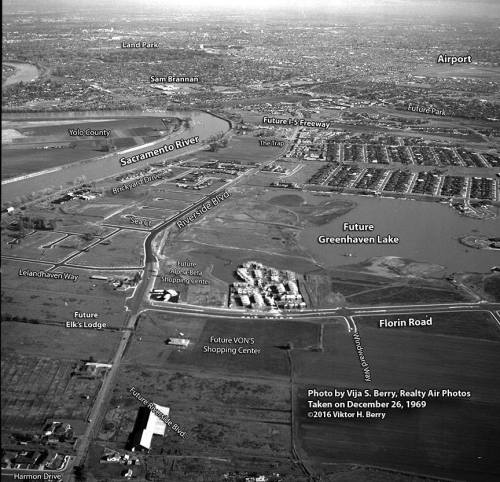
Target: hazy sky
<point x="485" y="8"/>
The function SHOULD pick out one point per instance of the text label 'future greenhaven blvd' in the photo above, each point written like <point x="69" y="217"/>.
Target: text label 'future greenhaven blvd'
<point x="179" y="144"/>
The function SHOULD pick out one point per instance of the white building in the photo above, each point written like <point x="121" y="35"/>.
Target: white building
<point x="178" y="342"/>
<point x="154" y="426"/>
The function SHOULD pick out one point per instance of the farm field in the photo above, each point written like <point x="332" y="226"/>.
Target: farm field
<point x="464" y="324"/>
<point x="39" y="380"/>
<point x="42" y="145"/>
<point x="36" y="389"/>
<point x="47" y="341"/>
<point x="55" y="300"/>
<point x="409" y="359"/>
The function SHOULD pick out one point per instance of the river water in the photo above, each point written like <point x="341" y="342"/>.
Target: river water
<point x="428" y="232"/>
<point x="23" y="73"/>
<point x="203" y="125"/>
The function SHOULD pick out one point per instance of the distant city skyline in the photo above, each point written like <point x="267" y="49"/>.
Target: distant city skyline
<point x="487" y="8"/>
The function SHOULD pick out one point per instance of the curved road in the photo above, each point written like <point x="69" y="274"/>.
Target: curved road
<point x="137" y="304"/>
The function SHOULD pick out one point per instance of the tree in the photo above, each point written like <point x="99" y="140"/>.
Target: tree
<point x="213" y="147"/>
<point x="80" y="473"/>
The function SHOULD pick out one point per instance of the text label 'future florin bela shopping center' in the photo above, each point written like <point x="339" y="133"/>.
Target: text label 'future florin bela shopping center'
<point x="179" y="144"/>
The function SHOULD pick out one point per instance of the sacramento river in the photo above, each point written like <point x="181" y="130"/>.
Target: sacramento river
<point x="203" y="125"/>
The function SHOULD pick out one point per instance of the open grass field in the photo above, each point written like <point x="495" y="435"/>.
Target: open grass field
<point x="407" y="294"/>
<point x="216" y="240"/>
<point x="32" y="246"/>
<point x="126" y="248"/>
<point x="223" y="261"/>
<point x="347" y="286"/>
<point x="486" y="284"/>
<point x="58" y="341"/>
<point x="100" y="210"/>
<point x="215" y="293"/>
<point x="337" y="364"/>
<point x="48" y="248"/>
<point x="242" y="148"/>
<point x="124" y="219"/>
<point x="454" y="437"/>
<point x="269" y="336"/>
<point x="464" y="324"/>
<point x="55" y="300"/>
<point x="159" y="213"/>
<point x="257" y="237"/>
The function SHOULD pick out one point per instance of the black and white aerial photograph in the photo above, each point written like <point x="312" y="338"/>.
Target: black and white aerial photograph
<point x="250" y="241"/>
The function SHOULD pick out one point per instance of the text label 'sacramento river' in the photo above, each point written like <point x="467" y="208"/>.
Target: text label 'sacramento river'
<point x="203" y="125"/>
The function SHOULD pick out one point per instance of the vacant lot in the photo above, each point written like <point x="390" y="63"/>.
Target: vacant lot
<point x="246" y="227"/>
<point x="55" y="300"/>
<point x="39" y="245"/>
<point x="123" y="219"/>
<point x="58" y="341"/>
<point x="408" y="294"/>
<point x="100" y="208"/>
<point x="242" y="148"/>
<point x="126" y="248"/>
<point x="269" y="336"/>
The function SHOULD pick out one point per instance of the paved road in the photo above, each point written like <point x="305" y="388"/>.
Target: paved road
<point x="134" y="307"/>
<point x="139" y="302"/>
